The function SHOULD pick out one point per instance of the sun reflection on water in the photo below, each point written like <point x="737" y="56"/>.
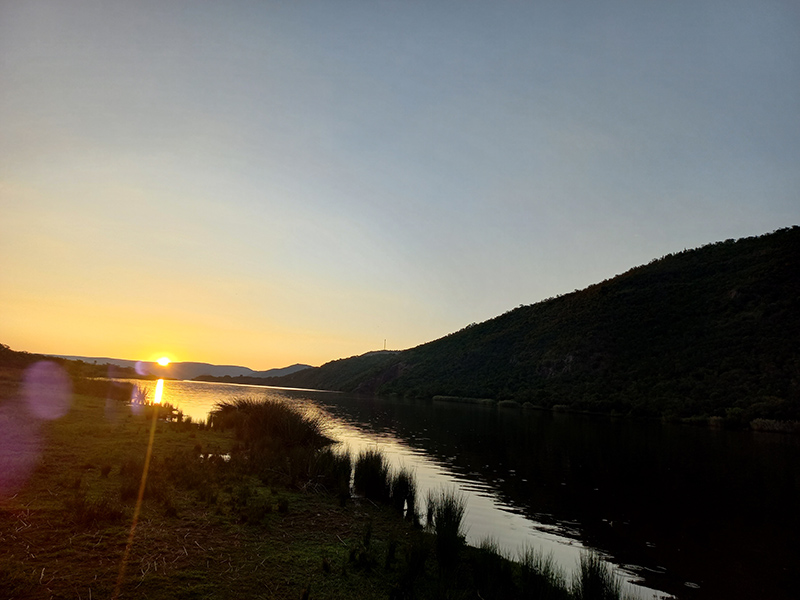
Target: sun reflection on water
<point x="159" y="392"/>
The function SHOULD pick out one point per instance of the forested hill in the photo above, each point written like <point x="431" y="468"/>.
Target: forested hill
<point x="709" y="332"/>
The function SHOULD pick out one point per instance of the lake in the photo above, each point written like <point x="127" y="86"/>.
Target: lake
<point x="692" y="512"/>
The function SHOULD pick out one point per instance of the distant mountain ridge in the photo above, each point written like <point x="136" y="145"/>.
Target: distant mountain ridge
<point x="709" y="333"/>
<point x="189" y="370"/>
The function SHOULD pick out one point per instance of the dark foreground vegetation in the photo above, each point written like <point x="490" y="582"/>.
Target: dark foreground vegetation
<point x="706" y="335"/>
<point x="253" y="503"/>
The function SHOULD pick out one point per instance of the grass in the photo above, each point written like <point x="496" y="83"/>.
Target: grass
<point x="595" y="580"/>
<point x="280" y="441"/>
<point x="212" y="527"/>
<point x="269" y="423"/>
<point x="371" y="475"/>
<point x="540" y="578"/>
<point x="331" y="472"/>
<point x="445" y="510"/>
<point x="403" y="494"/>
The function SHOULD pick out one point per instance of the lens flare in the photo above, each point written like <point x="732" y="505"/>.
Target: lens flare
<point x="159" y="391"/>
<point x="47" y="390"/>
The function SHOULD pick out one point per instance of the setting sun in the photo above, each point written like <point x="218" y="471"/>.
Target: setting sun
<point x="163" y="361"/>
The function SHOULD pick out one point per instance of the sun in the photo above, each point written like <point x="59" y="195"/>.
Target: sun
<point x="163" y="361"/>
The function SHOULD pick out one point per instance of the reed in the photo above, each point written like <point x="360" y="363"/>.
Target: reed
<point x="268" y="423"/>
<point x="446" y="509"/>
<point x="540" y="577"/>
<point x="332" y="470"/>
<point x="492" y="572"/>
<point x="371" y="475"/>
<point x="403" y="493"/>
<point x="595" y="580"/>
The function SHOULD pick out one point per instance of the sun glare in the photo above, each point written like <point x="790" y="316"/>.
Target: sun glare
<point x="163" y="361"/>
<point x="159" y="391"/>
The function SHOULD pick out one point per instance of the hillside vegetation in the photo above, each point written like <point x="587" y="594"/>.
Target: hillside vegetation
<point x="709" y="333"/>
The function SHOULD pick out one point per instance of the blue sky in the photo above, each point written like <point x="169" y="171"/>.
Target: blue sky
<point x="265" y="183"/>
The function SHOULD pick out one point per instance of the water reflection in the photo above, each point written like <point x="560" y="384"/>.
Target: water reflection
<point x="694" y="512"/>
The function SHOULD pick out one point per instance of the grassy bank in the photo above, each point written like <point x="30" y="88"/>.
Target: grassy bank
<point x="251" y="503"/>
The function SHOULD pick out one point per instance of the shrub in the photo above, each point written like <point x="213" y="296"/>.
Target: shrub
<point x="371" y="475"/>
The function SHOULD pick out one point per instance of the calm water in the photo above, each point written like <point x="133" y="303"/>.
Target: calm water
<point x="691" y="512"/>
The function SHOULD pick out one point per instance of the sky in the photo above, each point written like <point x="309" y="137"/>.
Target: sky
<point x="267" y="183"/>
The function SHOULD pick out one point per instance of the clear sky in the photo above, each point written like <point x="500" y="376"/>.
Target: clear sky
<point x="263" y="183"/>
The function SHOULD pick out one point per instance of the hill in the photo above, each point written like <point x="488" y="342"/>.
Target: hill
<point x="709" y="332"/>
<point x="186" y="370"/>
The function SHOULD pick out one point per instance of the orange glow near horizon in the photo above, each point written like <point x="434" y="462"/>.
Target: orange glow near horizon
<point x="163" y="361"/>
<point x="159" y="391"/>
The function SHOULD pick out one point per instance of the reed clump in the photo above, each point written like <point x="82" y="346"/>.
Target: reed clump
<point x="445" y="510"/>
<point x="371" y="475"/>
<point x="280" y="440"/>
<point x="493" y="572"/>
<point x="403" y="493"/>
<point x="540" y="577"/>
<point x="595" y="580"/>
<point x="331" y="471"/>
<point x="268" y="423"/>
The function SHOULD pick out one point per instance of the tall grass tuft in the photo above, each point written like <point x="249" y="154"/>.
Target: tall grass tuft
<point x="280" y="440"/>
<point x="492" y="572"/>
<point x="269" y="423"/>
<point x="595" y="580"/>
<point x="540" y="577"/>
<point x="140" y="395"/>
<point x="446" y="510"/>
<point x="95" y="512"/>
<point x="371" y="475"/>
<point x="403" y="493"/>
<point x="332" y="471"/>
